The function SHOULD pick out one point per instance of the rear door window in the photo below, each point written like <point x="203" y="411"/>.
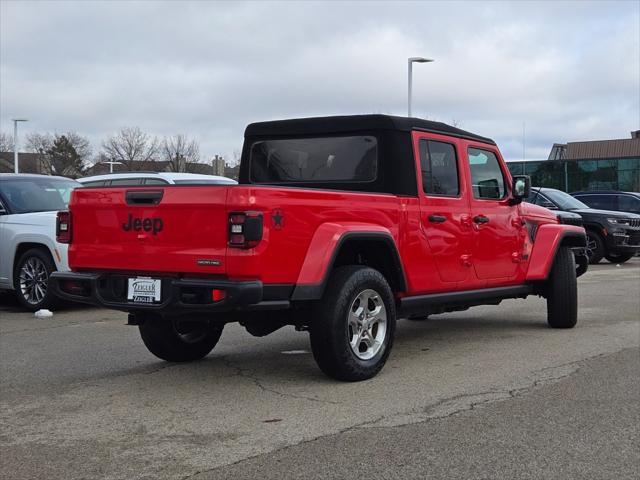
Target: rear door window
<point x="315" y="160"/>
<point x="98" y="183"/>
<point x="126" y="182"/>
<point x="603" y="202"/>
<point x="629" y="203"/>
<point x="439" y="167"/>
<point x="155" y="181"/>
<point x="486" y="175"/>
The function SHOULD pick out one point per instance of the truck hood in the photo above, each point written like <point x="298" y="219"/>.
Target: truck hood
<point x="43" y="219"/>
<point x="529" y="210"/>
<point x="603" y="213"/>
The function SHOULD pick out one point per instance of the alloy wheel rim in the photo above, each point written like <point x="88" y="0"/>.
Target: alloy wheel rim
<point x="591" y="246"/>
<point x="33" y="280"/>
<point x="367" y="324"/>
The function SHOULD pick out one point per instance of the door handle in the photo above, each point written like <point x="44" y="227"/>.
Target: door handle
<point x="479" y="219"/>
<point x="437" y="218"/>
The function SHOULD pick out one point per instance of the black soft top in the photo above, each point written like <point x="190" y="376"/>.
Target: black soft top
<point x="351" y="123"/>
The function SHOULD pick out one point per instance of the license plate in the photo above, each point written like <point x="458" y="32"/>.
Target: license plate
<point x="144" y="290"/>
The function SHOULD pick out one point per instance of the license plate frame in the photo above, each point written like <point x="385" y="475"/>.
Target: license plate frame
<point x="144" y="290"/>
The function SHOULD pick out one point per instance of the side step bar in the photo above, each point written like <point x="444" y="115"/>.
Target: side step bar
<point x="467" y="298"/>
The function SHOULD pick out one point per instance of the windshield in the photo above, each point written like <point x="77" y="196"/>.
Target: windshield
<point x="563" y="200"/>
<point x="33" y="194"/>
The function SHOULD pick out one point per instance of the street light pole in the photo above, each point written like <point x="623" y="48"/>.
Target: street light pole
<point x="15" y="142"/>
<point x="410" y="61"/>
<point x="111" y="163"/>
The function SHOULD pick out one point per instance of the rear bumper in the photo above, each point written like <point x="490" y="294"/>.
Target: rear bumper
<point x="179" y="295"/>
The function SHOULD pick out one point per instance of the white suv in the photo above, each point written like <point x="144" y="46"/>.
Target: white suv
<point x="131" y="179"/>
<point x="28" y="248"/>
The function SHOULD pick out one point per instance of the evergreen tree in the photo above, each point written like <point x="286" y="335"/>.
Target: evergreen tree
<point x="64" y="158"/>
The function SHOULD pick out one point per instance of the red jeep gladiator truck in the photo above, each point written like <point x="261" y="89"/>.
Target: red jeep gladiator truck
<point x="338" y="226"/>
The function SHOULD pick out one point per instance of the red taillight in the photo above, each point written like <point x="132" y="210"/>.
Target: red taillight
<point x="63" y="227"/>
<point x="217" y="295"/>
<point x="245" y="229"/>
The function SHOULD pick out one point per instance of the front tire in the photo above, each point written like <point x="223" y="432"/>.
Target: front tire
<point x="31" y="279"/>
<point x="179" y="340"/>
<point x="353" y="327"/>
<point x="618" y="257"/>
<point x="595" y="247"/>
<point x="562" y="291"/>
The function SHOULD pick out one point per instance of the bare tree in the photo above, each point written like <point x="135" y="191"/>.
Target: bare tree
<point x="80" y="144"/>
<point x="65" y="154"/>
<point x="179" y="151"/>
<point x="6" y="142"/>
<point x="36" y="142"/>
<point x="132" y="147"/>
<point x="237" y="155"/>
<point x="41" y="144"/>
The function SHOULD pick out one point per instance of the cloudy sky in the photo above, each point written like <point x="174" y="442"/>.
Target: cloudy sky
<point x="568" y="70"/>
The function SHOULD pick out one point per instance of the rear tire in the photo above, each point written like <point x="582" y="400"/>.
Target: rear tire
<point x="31" y="279"/>
<point x="618" y="257"/>
<point x="595" y="247"/>
<point x="179" y="340"/>
<point x="353" y="327"/>
<point x="562" y="291"/>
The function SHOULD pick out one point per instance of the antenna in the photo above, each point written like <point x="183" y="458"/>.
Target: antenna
<point x="523" y="140"/>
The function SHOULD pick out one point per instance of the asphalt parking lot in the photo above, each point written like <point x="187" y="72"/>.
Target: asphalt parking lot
<point x="486" y="393"/>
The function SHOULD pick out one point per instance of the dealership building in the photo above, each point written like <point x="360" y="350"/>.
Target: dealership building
<point x="591" y="165"/>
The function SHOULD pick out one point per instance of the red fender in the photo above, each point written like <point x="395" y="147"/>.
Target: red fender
<point x="548" y="238"/>
<point x="323" y="245"/>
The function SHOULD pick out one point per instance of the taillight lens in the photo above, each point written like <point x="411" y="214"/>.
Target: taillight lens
<point x="63" y="227"/>
<point x="245" y="229"/>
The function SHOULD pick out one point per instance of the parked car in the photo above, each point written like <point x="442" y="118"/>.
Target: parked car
<point x="153" y="178"/>
<point x="612" y="235"/>
<point x="339" y="225"/>
<point x="611" y="200"/>
<point x="29" y="252"/>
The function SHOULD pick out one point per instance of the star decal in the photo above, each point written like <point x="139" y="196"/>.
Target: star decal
<point x="277" y="219"/>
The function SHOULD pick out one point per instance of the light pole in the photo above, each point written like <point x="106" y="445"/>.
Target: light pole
<point x="111" y="164"/>
<point x="410" y="61"/>
<point x="15" y="142"/>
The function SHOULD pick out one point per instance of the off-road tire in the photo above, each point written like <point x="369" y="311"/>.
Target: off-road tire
<point x="35" y="260"/>
<point x="164" y="339"/>
<point x="562" y="291"/>
<point x="329" y="329"/>
<point x="618" y="257"/>
<point x="596" y="247"/>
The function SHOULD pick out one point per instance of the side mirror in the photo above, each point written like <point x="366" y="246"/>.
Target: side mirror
<point x="521" y="187"/>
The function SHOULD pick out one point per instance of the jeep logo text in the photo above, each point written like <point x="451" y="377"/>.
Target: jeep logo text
<point x="154" y="224"/>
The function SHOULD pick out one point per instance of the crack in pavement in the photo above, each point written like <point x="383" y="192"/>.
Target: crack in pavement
<point x="442" y="409"/>
<point x="246" y="373"/>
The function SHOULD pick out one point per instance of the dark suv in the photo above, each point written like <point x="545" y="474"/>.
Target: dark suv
<point x="611" y="200"/>
<point x="612" y="235"/>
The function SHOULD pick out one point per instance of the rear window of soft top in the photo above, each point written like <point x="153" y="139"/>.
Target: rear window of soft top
<point x="315" y="160"/>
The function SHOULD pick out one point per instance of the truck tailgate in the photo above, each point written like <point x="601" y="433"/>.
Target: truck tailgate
<point x="176" y="229"/>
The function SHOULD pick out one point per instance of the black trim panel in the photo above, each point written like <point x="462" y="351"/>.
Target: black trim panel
<point x="421" y="303"/>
